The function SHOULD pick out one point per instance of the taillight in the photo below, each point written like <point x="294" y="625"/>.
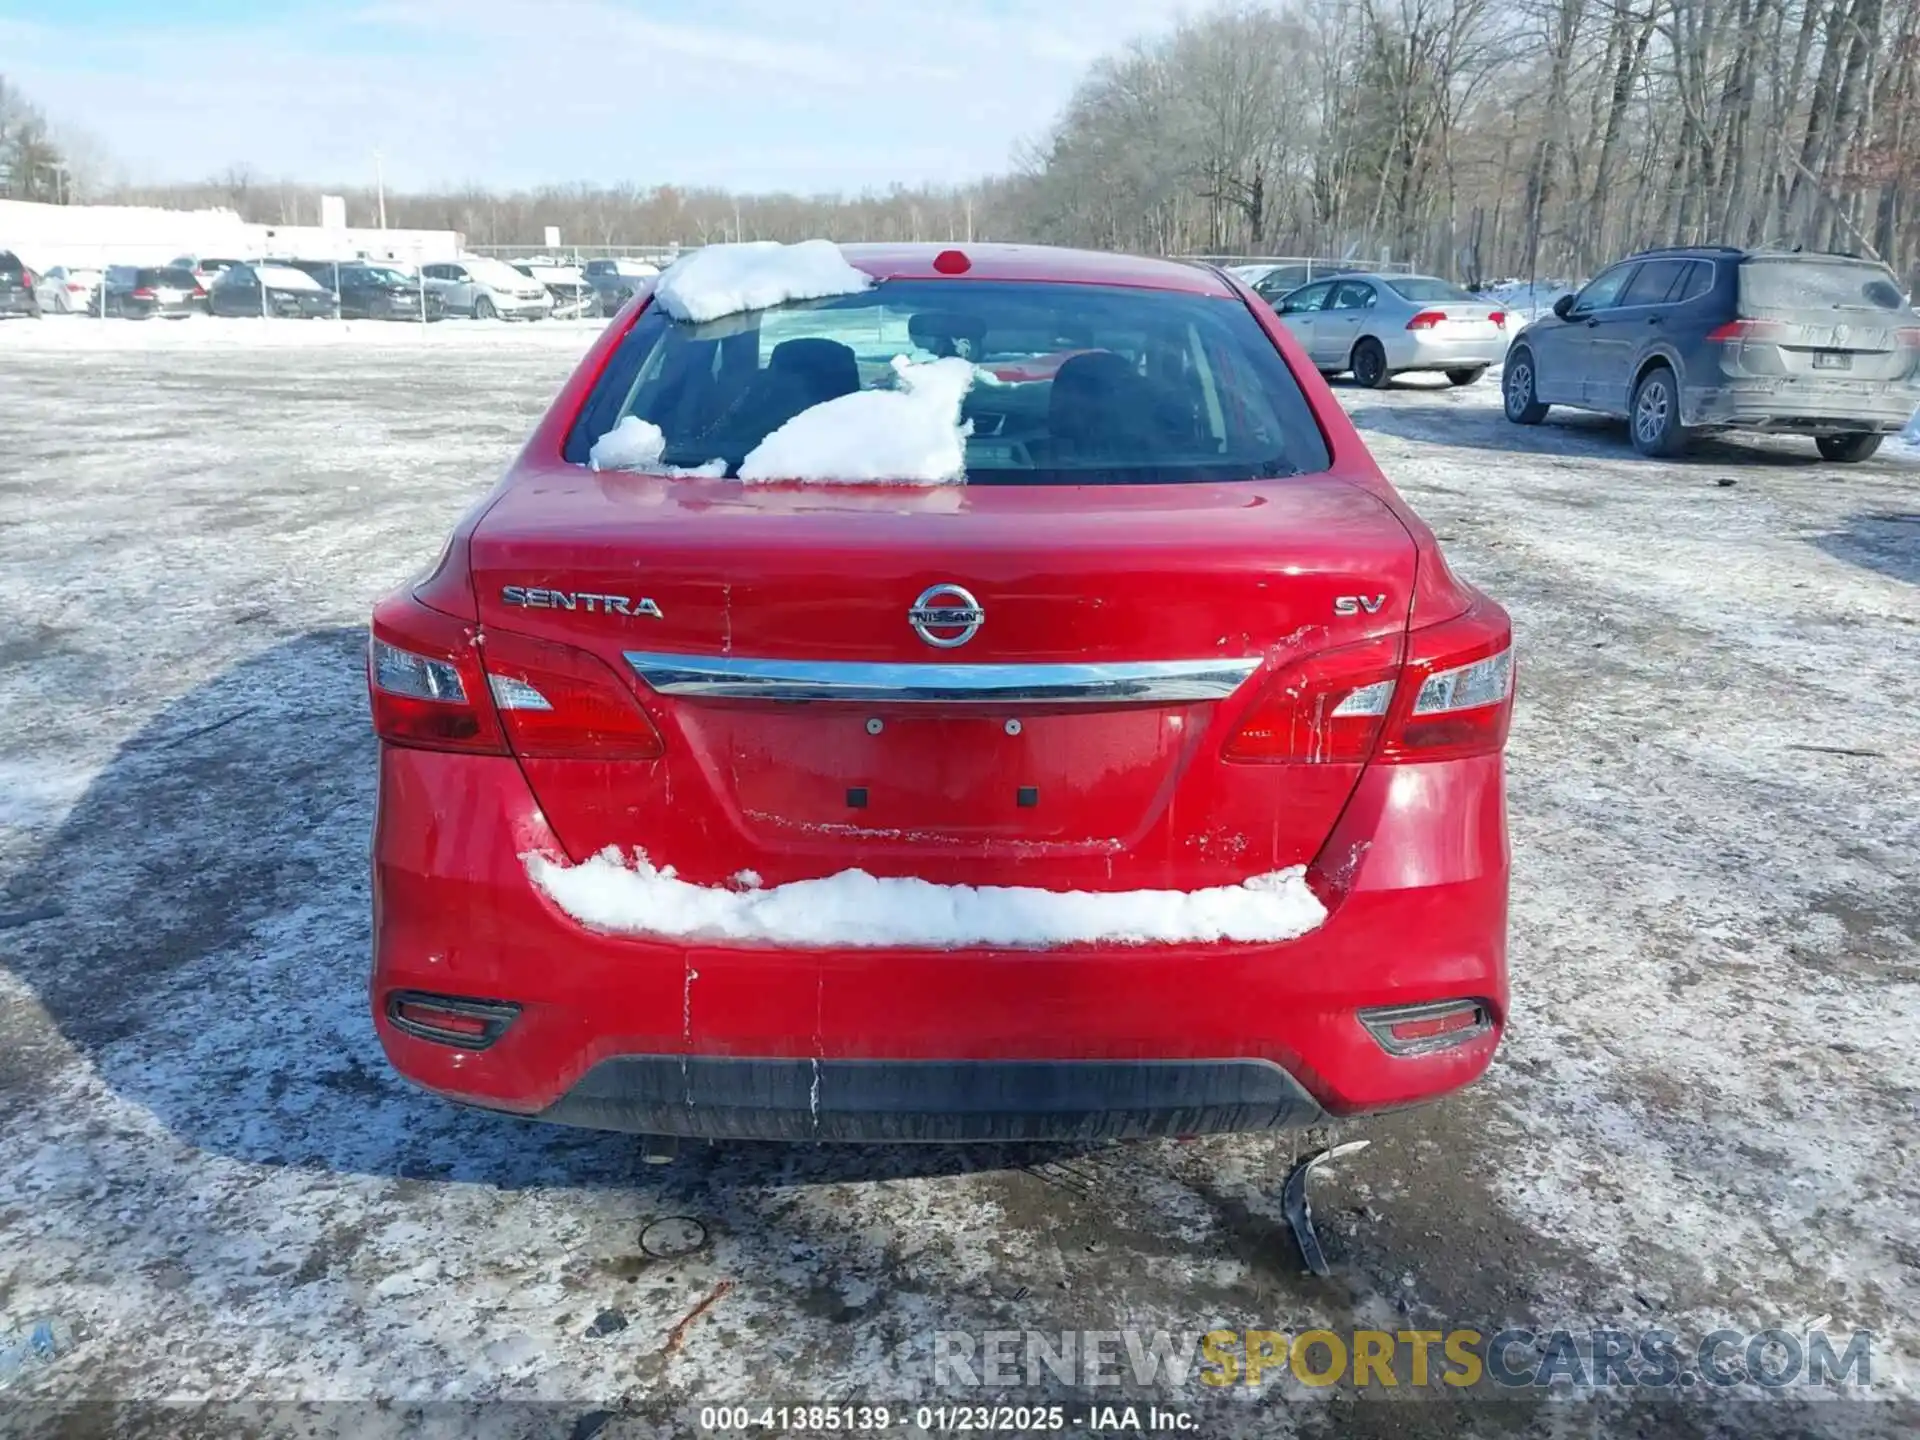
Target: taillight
<point x="1426" y="319"/>
<point x="559" y="703"/>
<point x="1457" y="689"/>
<point x="1499" y="317"/>
<point x="26" y="279"/>
<point x="425" y="682"/>
<point x="1448" y="694"/>
<point x="1422" y="1029"/>
<point x="143" y="293"/>
<point x="1738" y="332"/>
<point x="1324" y="710"/>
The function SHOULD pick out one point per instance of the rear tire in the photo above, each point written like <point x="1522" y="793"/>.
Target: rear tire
<point x="1654" y="417"/>
<point x="483" y="309"/>
<point x="1370" y="365"/>
<point x="1466" y="377"/>
<point x="1518" y="390"/>
<point x="1847" y="449"/>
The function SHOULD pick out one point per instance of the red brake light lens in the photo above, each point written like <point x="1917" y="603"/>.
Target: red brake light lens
<point x="559" y="703"/>
<point x="1324" y="710"/>
<point x="1457" y="695"/>
<point x="1426" y="319"/>
<point x="1422" y="1029"/>
<point x="1499" y="317"/>
<point x="143" y="293"/>
<point x="1737" y="332"/>
<point x="1450" y="694"/>
<point x="425" y="684"/>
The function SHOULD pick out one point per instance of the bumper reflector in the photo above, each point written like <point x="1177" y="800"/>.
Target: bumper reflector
<point x="1423" y="1029"/>
<point x="450" y="1020"/>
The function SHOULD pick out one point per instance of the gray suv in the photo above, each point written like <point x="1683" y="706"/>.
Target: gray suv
<point x="1685" y="340"/>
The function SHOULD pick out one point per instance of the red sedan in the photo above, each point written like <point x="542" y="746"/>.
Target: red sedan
<point x="1134" y="768"/>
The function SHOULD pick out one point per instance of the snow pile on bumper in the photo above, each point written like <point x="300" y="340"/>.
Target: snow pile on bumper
<point x="719" y="280"/>
<point x="911" y="435"/>
<point x="853" y="909"/>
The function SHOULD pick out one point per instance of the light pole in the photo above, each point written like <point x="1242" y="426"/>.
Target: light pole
<point x="380" y="188"/>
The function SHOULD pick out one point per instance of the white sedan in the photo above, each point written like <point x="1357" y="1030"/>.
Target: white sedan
<point x="1379" y="326"/>
<point x="64" y="291"/>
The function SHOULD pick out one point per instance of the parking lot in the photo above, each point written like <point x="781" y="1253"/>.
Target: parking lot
<point x="1703" y="1117"/>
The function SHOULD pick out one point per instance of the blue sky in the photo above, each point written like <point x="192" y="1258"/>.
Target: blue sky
<point x="752" y="94"/>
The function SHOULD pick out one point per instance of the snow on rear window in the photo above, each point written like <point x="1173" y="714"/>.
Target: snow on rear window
<point x="855" y="909"/>
<point x="911" y="434"/>
<point x="1797" y="283"/>
<point x="730" y="279"/>
<point x="1070" y="384"/>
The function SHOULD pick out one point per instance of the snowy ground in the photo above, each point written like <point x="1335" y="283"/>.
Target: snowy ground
<point x="1704" y="1114"/>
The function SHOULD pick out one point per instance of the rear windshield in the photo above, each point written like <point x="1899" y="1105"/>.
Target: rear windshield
<point x="1420" y="289"/>
<point x="1074" y="384"/>
<point x="175" y="279"/>
<point x="10" y="263"/>
<point x="1793" y="283"/>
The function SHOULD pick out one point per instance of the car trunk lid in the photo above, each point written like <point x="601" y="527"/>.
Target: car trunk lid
<point x="935" y="681"/>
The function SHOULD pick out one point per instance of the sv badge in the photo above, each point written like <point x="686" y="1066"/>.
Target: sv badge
<point x="1356" y="604"/>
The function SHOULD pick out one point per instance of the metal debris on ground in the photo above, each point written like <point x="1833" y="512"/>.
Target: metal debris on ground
<point x="1294" y="1200"/>
<point x="673" y="1236"/>
<point x="678" y="1335"/>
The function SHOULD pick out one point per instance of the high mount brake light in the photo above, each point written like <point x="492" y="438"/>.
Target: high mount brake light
<point x="1448" y="694"/>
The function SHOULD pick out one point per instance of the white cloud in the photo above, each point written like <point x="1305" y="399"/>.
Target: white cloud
<point x="759" y="94"/>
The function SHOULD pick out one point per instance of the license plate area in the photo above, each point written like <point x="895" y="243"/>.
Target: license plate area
<point x="1832" y="360"/>
<point x="936" y="777"/>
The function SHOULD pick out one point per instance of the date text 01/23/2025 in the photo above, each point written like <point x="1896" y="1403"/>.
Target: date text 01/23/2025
<point x="941" y="1419"/>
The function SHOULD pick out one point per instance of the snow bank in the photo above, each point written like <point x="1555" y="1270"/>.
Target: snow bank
<point x="855" y="909"/>
<point x="727" y="279"/>
<point x="910" y="435"/>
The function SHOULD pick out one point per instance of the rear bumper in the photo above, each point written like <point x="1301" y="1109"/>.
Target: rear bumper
<point x="1799" y="406"/>
<point x="946" y="1101"/>
<point x="1090" y="1041"/>
<point x="1419" y="350"/>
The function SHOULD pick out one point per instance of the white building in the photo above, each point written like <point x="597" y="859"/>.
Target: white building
<point x="96" y="235"/>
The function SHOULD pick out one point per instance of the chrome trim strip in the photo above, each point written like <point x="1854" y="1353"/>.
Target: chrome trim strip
<point x="1131" y="682"/>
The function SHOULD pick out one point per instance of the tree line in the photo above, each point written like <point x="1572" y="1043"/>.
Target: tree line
<point x="1478" y="139"/>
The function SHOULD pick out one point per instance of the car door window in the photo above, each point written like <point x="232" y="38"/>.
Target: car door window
<point x="1696" y="282"/>
<point x="1604" y="293"/>
<point x="1312" y="298"/>
<point x="1353" y="295"/>
<point x="1653" y="282"/>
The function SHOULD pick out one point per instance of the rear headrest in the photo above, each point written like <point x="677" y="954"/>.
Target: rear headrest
<point x="825" y="368"/>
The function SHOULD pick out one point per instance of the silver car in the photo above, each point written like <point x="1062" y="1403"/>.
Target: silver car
<point x="487" y="289"/>
<point x="1379" y="326"/>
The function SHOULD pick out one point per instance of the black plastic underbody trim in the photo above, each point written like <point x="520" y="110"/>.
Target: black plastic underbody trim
<point x="932" y="1100"/>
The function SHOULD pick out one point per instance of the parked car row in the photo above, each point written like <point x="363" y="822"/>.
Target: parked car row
<point x="292" y="288"/>
<point x="1679" y="342"/>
